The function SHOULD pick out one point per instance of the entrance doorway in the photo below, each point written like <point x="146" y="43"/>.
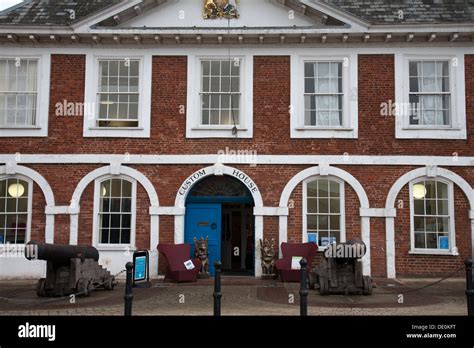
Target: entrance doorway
<point x="220" y="208"/>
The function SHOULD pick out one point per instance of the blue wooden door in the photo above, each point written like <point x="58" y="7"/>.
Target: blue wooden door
<point x="204" y="220"/>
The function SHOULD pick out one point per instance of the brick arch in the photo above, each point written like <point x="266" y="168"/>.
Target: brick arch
<point x="341" y="174"/>
<point x="394" y="192"/>
<point x="123" y="171"/>
<point x="45" y="188"/>
<point x="218" y="169"/>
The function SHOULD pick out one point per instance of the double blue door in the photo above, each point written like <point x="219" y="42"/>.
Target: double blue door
<point x="204" y="220"/>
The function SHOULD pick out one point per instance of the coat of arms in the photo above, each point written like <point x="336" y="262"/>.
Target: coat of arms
<point x="220" y="9"/>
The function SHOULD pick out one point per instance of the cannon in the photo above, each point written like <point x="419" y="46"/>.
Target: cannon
<point x="70" y="269"/>
<point x="340" y="271"/>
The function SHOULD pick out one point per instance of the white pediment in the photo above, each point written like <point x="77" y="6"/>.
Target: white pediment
<point x="189" y="13"/>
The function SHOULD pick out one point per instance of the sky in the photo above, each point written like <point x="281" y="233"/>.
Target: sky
<point x="8" y="3"/>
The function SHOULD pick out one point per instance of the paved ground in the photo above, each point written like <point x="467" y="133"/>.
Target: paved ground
<point x="245" y="296"/>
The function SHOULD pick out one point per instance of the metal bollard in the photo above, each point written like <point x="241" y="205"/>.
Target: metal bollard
<point x="469" y="288"/>
<point x="128" y="290"/>
<point x="217" y="289"/>
<point x="303" y="288"/>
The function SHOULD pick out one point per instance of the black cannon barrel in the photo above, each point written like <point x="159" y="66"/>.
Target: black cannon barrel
<point x="56" y="252"/>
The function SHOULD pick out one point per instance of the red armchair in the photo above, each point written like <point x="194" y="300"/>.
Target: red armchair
<point x="176" y="255"/>
<point x="283" y="265"/>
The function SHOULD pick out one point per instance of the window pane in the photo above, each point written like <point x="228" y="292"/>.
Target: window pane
<point x="126" y="221"/>
<point x="116" y="188"/>
<point x="323" y="188"/>
<point x="443" y="207"/>
<point x="104" y="236"/>
<point x="335" y="205"/>
<point x="419" y="223"/>
<point x="312" y="188"/>
<point x="309" y="70"/>
<point x="431" y="225"/>
<point x="323" y="222"/>
<point x="430" y="206"/>
<point x="125" y="237"/>
<point x="430" y="189"/>
<point x="126" y="188"/>
<point x="215" y="68"/>
<point x="335" y="222"/>
<point x="323" y="70"/>
<point x="431" y="241"/>
<point x="443" y="224"/>
<point x="206" y="67"/>
<point x="312" y="222"/>
<point x="442" y="190"/>
<point x="105" y="220"/>
<point x="429" y="69"/>
<point x="114" y="236"/>
<point x="312" y="205"/>
<point x="420" y="240"/>
<point x="309" y="85"/>
<point x="225" y="66"/>
<point x="323" y="205"/>
<point x="419" y="206"/>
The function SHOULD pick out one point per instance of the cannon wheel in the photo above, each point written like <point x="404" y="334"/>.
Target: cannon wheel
<point x="367" y="285"/>
<point x="323" y="286"/>
<point x="109" y="284"/>
<point x="83" y="287"/>
<point x="40" y="291"/>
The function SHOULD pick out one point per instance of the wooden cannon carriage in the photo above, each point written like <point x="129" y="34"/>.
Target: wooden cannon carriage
<point x="70" y="269"/>
<point x="340" y="271"/>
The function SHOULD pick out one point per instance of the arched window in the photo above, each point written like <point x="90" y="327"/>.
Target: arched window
<point x="432" y="216"/>
<point x="115" y="211"/>
<point x="15" y="210"/>
<point x="323" y="211"/>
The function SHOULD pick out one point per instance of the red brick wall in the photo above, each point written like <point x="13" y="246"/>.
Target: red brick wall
<point x="271" y="136"/>
<point x="168" y="178"/>
<point x="271" y="115"/>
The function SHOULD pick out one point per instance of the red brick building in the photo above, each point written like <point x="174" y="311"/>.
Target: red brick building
<point x="125" y="124"/>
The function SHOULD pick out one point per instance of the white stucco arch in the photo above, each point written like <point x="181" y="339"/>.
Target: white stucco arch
<point x="404" y="180"/>
<point x="12" y="170"/>
<point x="326" y="170"/>
<point x="113" y="255"/>
<point x="219" y="169"/>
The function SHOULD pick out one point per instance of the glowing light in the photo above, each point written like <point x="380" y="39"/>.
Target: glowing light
<point x="16" y="190"/>
<point x="419" y="191"/>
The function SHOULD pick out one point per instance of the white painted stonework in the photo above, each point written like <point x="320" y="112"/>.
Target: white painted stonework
<point x="254" y="13"/>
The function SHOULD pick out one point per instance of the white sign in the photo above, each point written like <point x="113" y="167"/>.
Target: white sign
<point x="189" y="265"/>
<point x="295" y="262"/>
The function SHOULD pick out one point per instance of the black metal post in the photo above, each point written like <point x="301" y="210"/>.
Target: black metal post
<point x="303" y="288"/>
<point x="217" y="289"/>
<point x="128" y="290"/>
<point x="469" y="288"/>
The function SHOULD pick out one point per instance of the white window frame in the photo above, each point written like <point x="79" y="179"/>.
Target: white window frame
<point x="194" y="128"/>
<point x="349" y="128"/>
<point x="403" y="129"/>
<point x="452" y="231"/>
<point x="342" y="199"/>
<point x="30" y="205"/>
<point x="96" y="219"/>
<point x="40" y="129"/>
<point x="91" y="129"/>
